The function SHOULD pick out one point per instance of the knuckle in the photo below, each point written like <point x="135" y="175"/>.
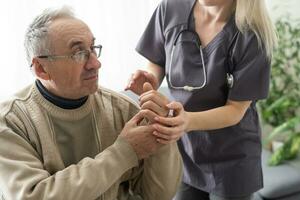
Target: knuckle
<point x="169" y="132"/>
<point x="144" y="113"/>
<point x="151" y="95"/>
<point x="172" y="123"/>
<point x="145" y="105"/>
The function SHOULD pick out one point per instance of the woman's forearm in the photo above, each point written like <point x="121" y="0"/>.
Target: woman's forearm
<point x="221" y="117"/>
<point x="157" y="71"/>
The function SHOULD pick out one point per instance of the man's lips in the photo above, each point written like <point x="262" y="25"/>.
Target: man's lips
<point x="92" y="77"/>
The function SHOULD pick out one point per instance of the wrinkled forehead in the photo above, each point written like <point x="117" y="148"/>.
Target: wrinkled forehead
<point x="68" y="32"/>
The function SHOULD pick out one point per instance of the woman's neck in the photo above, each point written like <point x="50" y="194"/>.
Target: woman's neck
<point x="215" y="12"/>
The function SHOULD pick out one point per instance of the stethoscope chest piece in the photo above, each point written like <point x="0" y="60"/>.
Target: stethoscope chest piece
<point x="230" y="80"/>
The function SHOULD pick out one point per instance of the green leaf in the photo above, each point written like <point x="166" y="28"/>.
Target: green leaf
<point x="283" y="128"/>
<point x="288" y="151"/>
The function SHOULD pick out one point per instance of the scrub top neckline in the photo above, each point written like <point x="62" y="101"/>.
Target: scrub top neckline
<point x="218" y="38"/>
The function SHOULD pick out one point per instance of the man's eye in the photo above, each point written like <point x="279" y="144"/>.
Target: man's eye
<point x="78" y="49"/>
<point x="80" y="52"/>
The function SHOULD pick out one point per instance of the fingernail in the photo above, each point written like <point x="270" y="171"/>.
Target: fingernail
<point x="156" y="118"/>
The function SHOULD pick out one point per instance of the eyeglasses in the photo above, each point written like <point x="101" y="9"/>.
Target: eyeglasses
<point x="79" y="56"/>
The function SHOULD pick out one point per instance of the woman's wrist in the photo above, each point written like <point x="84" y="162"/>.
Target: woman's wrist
<point x="189" y="126"/>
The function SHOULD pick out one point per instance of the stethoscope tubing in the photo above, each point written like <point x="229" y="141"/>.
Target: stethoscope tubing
<point x="186" y="87"/>
<point x="229" y="74"/>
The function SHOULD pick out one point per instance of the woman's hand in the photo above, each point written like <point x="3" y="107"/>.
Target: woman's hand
<point x="137" y="80"/>
<point x="170" y="129"/>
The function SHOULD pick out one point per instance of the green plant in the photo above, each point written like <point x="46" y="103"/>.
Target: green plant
<point x="288" y="151"/>
<point x="282" y="108"/>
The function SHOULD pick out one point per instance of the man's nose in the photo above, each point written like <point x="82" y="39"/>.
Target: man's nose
<point x="93" y="62"/>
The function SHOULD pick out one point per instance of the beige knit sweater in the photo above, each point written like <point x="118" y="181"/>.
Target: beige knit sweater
<point x="32" y="166"/>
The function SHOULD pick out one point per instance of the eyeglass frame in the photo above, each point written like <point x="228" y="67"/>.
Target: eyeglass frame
<point x="86" y="52"/>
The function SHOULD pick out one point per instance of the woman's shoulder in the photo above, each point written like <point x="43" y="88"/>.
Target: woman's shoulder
<point x="175" y="12"/>
<point x="247" y="41"/>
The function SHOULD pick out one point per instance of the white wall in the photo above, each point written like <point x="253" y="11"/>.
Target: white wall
<point x="279" y="8"/>
<point x="117" y="24"/>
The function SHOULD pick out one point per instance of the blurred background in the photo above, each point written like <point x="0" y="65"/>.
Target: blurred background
<point x="116" y="24"/>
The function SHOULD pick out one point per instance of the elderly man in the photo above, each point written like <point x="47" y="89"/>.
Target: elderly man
<point x="65" y="138"/>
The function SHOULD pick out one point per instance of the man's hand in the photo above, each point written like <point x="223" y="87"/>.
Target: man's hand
<point x="141" y="138"/>
<point x="137" y="80"/>
<point x="154" y="102"/>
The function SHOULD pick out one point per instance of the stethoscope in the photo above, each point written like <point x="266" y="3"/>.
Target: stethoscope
<point x="189" y="88"/>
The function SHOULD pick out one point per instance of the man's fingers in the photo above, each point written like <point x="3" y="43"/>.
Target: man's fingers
<point x="148" y="114"/>
<point x="165" y="142"/>
<point x="129" y="82"/>
<point x="154" y="96"/>
<point x="136" y="119"/>
<point x="150" y="105"/>
<point x="147" y="87"/>
<point x="152" y="79"/>
<point x="145" y="129"/>
<point x="137" y="74"/>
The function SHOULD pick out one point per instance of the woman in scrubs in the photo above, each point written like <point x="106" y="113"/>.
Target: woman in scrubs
<point x="215" y="55"/>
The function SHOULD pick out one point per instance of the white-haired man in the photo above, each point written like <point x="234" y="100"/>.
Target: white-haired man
<point x="63" y="137"/>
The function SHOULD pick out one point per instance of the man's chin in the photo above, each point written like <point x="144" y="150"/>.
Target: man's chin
<point x="92" y="89"/>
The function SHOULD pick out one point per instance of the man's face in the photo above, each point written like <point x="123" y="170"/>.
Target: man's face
<point x="69" y="78"/>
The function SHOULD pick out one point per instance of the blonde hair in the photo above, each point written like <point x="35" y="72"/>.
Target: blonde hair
<point x="253" y="15"/>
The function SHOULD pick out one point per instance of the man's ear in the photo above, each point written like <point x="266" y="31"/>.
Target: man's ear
<point x="39" y="69"/>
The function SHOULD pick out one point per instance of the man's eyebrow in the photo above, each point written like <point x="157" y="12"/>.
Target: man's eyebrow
<point x="75" y="43"/>
<point x="78" y="43"/>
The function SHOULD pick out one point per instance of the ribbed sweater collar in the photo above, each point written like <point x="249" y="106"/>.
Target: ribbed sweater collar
<point x="58" y="112"/>
<point x="59" y="101"/>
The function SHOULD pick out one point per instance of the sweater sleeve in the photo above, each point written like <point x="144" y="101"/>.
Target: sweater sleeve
<point x="159" y="175"/>
<point x="22" y="175"/>
<point x="162" y="174"/>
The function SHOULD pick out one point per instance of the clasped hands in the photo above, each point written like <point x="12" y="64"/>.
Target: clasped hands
<point x="168" y="119"/>
<point x="161" y="128"/>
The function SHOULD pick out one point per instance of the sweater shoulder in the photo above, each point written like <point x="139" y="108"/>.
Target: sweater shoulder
<point x="20" y="97"/>
<point x="117" y="96"/>
<point x="115" y="107"/>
